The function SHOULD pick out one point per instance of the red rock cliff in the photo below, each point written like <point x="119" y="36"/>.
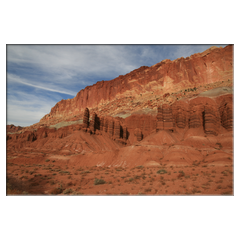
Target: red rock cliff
<point x="213" y="65"/>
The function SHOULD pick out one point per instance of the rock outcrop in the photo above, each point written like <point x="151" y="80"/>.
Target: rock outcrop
<point x="12" y="128"/>
<point x="159" y="119"/>
<point x="86" y="118"/>
<point x="125" y="133"/>
<point x="110" y="127"/>
<point x="226" y="113"/>
<point x="138" y="134"/>
<point x="102" y="123"/>
<point x="180" y="114"/>
<point x="117" y="130"/>
<point x="165" y="118"/>
<point x="200" y="112"/>
<point x="105" y="126"/>
<point x="210" y="120"/>
<point x="213" y="65"/>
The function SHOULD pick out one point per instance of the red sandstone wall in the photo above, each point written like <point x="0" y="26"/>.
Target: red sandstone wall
<point x="207" y="114"/>
<point x="213" y="65"/>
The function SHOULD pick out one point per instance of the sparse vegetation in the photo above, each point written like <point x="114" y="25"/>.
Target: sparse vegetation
<point x="98" y="181"/>
<point x="161" y="171"/>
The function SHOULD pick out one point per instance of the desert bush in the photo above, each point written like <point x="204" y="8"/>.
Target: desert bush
<point x="161" y="171"/>
<point x="67" y="191"/>
<point x="182" y="172"/>
<point x="139" y="167"/>
<point x="52" y="182"/>
<point x="98" y="181"/>
<point x="137" y="177"/>
<point x="148" y="190"/>
<point x="26" y="177"/>
<point x="56" y="191"/>
<point x="118" y="169"/>
<point x="47" y="160"/>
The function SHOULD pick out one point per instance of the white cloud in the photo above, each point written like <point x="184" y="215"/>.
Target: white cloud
<point x="25" y="109"/>
<point x="52" y="70"/>
<point x="16" y="79"/>
<point x="72" y="60"/>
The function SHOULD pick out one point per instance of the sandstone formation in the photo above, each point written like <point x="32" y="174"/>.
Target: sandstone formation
<point x="105" y="127"/>
<point x="190" y="127"/>
<point x="11" y="128"/>
<point x="91" y="126"/>
<point x="211" y="120"/>
<point x="86" y="118"/>
<point x="102" y="124"/>
<point x="213" y="65"/>
<point x="180" y="114"/>
<point x="110" y="127"/>
<point x="159" y="119"/>
<point x="204" y="113"/>
<point x="195" y="118"/>
<point x="226" y="113"/>
<point x="167" y="117"/>
<point x="138" y="134"/>
<point x="201" y="112"/>
<point x="117" y="130"/>
<point x="125" y="133"/>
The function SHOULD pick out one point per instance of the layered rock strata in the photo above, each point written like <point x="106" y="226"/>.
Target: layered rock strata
<point x="102" y="123"/>
<point x="86" y="118"/>
<point x="167" y="117"/>
<point x="110" y="127"/>
<point x="180" y="114"/>
<point x="125" y="133"/>
<point x="138" y="134"/>
<point x="117" y="130"/>
<point x="211" y="120"/>
<point x="195" y="118"/>
<point x="105" y="126"/>
<point x="213" y="65"/>
<point x="226" y="114"/>
<point x="208" y="114"/>
<point x="159" y="119"/>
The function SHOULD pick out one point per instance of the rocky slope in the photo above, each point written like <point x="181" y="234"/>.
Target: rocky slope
<point x="175" y="114"/>
<point x="145" y="87"/>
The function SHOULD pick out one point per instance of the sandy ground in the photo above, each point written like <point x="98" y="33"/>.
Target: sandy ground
<point x="45" y="176"/>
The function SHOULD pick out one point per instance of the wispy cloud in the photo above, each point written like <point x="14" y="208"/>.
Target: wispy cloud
<point x="25" y="109"/>
<point x="42" y="75"/>
<point x="16" y="79"/>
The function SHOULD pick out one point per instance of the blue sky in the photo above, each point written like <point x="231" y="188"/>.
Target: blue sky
<point x="38" y="76"/>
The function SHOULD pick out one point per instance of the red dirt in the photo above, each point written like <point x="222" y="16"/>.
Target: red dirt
<point x="178" y="143"/>
<point x="52" y="167"/>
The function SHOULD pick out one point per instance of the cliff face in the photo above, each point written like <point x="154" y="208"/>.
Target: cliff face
<point x="213" y="65"/>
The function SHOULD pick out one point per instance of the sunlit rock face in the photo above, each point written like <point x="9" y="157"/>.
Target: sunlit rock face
<point x="213" y="65"/>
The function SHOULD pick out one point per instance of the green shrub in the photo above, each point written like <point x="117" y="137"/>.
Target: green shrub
<point x="98" y="181"/>
<point x="182" y="172"/>
<point x="68" y="190"/>
<point x="47" y="160"/>
<point x="140" y="167"/>
<point x="161" y="171"/>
